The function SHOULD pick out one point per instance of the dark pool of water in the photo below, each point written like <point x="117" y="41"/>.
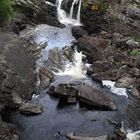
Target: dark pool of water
<point x="72" y="118"/>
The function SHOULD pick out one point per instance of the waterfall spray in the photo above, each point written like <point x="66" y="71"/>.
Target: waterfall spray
<point x="75" y="69"/>
<point x="66" y="18"/>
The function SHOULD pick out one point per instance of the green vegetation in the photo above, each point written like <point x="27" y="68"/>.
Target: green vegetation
<point x="97" y="5"/>
<point x="5" y="10"/>
<point x="137" y="38"/>
<point x="135" y="53"/>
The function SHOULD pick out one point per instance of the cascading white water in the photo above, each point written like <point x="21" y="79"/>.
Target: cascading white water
<point x="133" y="135"/>
<point x="72" y="7"/>
<point x="75" y="69"/>
<point x="79" y="11"/>
<point x="60" y="12"/>
<point x="65" y="18"/>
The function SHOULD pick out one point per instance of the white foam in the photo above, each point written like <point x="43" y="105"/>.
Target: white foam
<point x="75" y="69"/>
<point x="116" y="90"/>
<point x="133" y="135"/>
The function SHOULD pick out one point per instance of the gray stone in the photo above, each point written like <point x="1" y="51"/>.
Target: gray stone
<point x="78" y="32"/>
<point x="45" y="76"/>
<point x="125" y="82"/>
<point x="95" y="98"/>
<point x="30" y="109"/>
<point x="64" y="90"/>
<point x="135" y="93"/>
<point x="72" y="136"/>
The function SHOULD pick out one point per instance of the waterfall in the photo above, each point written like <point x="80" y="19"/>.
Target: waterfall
<point x="79" y="11"/>
<point x="60" y="12"/>
<point x="66" y="18"/>
<point x="75" y="69"/>
<point x="72" y="8"/>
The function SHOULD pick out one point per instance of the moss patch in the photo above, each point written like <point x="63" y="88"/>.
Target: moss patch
<point x="134" y="53"/>
<point x="5" y="10"/>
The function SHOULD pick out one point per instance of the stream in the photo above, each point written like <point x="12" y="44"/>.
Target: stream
<point x="59" y="119"/>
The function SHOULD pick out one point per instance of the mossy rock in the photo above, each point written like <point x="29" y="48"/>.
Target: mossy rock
<point x="97" y="5"/>
<point x="135" y="53"/>
<point x="92" y="14"/>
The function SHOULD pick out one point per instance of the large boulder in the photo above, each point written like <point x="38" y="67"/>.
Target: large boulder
<point x="125" y="82"/>
<point x="17" y="67"/>
<point x="91" y="47"/>
<point x="78" y="32"/>
<point x="91" y="96"/>
<point x="54" y="60"/>
<point x="37" y="12"/>
<point x="45" y="76"/>
<point x="30" y="109"/>
<point x="67" y="93"/>
<point x="49" y="16"/>
<point x="17" y="76"/>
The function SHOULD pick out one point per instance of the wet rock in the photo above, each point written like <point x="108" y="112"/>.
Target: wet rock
<point x="64" y="89"/>
<point x="78" y="32"/>
<point x="30" y="109"/>
<point x="125" y="82"/>
<point x="54" y="59"/>
<point x="50" y="16"/>
<point x="68" y="52"/>
<point x="45" y="75"/>
<point x="72" y="136"/>
<point x="90" y="47"/>
<point x="67" y="93"/>
<point x="95" y="98"/>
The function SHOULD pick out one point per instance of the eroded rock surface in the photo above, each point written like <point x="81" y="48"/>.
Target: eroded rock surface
<point x="94" y="97"/>
<point x="30" y="109"/>
<point x="17" y="66"/>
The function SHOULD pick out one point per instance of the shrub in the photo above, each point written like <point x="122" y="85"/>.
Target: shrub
<point x="134" y="53"/>
<point x="5" y="10"/>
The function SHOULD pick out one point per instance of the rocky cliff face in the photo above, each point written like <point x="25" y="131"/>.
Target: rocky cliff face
<point x="33" y="11"/>
<point x="17" y="76"/>
<point x="114" y="16"/>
